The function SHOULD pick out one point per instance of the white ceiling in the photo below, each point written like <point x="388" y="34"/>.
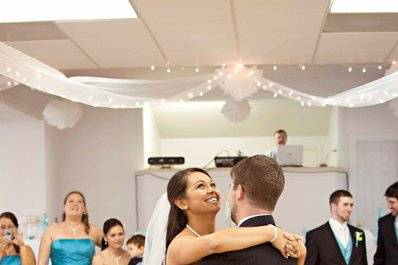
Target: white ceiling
<point x="208" y="33"/>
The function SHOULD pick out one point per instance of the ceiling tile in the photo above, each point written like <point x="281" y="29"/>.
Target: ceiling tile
<point x="60" y="54"/>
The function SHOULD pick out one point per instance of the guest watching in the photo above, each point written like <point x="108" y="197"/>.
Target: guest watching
<point x="135" y="248"/>
<point x="13" y="250"/>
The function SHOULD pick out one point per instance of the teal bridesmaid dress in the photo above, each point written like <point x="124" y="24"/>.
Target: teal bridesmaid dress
<point x="72" y="252"/>
<point x="10" y="260"/>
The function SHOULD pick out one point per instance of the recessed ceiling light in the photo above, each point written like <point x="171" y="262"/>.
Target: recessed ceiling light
<point x="61" y="10"/>
<point x="364" y="6"/>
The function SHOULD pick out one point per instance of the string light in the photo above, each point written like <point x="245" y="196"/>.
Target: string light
<point x="364" y="70"/>
<point x="258" y="83"/>
<point x="215" y="77"/>
<point x="197" y="69"/>
<point x="275" y="95"/>
<point x="290" y="93"/>
<point x="209" y="81"/>
<point x="152" y="67"/>
<point x="200" y="93"/>
<point x="90" y="97"/>
<point x="209" y="87"/>
<point x="8" y="69"/>
<point x="380" y="67"/>
<point x="168" y="70"/>
<point x="394" y="62"/>
<point x="275" y="67"/>
<point x="264" y="87"/>
<point x="302" y="103"/>
<point x="350" y="69"/>
<point x="190" y="95"/>
<point x="8" y="83"/>
<point x="303" y="67"/>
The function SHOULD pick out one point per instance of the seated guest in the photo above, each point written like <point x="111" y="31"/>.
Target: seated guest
<point x="112" y="243"/>
<point x="387" y="239"/>
<point x="280" y="137"/>
<point x="337" y="242"/>
<point x="135" y="248"/>
<point x="13" y="250"/>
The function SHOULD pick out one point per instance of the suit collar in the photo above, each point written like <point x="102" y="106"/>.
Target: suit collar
<point x="259" y="221"/>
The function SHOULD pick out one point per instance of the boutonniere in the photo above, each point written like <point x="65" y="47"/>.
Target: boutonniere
<point x="358" y="238"/>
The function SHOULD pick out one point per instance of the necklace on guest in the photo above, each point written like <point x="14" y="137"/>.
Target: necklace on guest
<point x="117" y="259"/>
<point x="73" y="228"/>
<point x="193" y="231"/>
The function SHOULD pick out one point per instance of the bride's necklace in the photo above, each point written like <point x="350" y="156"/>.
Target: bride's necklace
<point x="73" y="228"/>
<point x="193" y="231"/>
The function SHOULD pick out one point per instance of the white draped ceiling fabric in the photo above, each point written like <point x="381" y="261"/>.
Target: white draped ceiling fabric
<point x="237" y="81"/>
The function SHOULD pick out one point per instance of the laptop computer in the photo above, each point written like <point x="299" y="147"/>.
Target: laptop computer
<point x="289" y="155"/>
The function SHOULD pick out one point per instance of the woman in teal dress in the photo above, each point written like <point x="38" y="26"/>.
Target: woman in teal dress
<point x="13" y="250"/>
<point x="73" y="241"/>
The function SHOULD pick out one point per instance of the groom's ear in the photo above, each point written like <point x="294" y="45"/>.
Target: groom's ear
<point x="239" y="192"/>
<point x="180" y="203"/>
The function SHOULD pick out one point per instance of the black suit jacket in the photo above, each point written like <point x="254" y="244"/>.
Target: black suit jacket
<point x="387" y="244"/>
<point x="323" y="249"/>
<point x="264" y="254"/>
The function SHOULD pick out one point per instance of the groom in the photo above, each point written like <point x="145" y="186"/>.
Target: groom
<point x="257" y="183"/>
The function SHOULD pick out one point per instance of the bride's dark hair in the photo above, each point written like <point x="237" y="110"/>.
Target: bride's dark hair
<point x="176" y="189"/>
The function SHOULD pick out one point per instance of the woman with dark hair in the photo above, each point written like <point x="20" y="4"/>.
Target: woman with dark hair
<point x="73" y="241"/>
<point x="112" y="252"/>
<point x="194" y="203"/>
<point x="13" y="250"/>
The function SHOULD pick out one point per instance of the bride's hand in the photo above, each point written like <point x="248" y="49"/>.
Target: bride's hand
<point x="295" y="248"/>
<point x="281" y="243"/>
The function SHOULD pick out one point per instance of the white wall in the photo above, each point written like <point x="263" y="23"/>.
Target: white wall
<point x="331" y="157"/>
<point x="151" y="135"/>
<point x="22" y="167"/>
<point x="99" y="157"/>
<point x="199" y="151"/>
<point x="364" y="135"/>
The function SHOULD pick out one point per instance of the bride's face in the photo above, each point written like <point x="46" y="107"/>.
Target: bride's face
<point x="202" y="195"/>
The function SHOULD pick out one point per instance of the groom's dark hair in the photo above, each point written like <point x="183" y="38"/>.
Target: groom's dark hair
<point x="262" y="180"/>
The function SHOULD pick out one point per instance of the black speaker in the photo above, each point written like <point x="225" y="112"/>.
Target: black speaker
<point x="227" y="161"/>
<point x="160" y="161"/>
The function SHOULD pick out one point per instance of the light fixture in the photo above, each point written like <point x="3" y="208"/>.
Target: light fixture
<point x="302" y="67"/>
<point x="364" y="6"/>
<point x="275" y="67"/>
<point x="168" y="70"/>
<point x="350" y="69"/>
<point x="380" y="67"/>
<point x="197" y="69"/>
<point x="50" y="10"/>
<point x="152" y="67"/>
<point x="364" y="70"/>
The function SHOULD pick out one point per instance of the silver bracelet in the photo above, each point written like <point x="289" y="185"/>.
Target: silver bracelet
<point x="275" y="233"/>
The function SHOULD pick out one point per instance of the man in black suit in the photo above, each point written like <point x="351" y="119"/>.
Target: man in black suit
<point x="337" y="242"/>
<point x="257" y="183"/>
<point x="387" y="239"/>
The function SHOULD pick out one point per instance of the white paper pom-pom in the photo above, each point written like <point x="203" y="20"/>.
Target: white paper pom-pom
<point x="236" y="111"/>
<point x="62" y="113"/>
<point x="239" y="84"/>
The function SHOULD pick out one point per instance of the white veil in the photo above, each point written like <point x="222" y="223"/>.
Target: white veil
<point x="155" y="239"/>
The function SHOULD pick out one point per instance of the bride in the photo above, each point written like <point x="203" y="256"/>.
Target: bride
<point x="191" y="205"/>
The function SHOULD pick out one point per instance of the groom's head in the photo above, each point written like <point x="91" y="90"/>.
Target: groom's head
<point x="257" y="182"/>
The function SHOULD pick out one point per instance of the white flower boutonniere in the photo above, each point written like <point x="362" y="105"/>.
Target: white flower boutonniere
<point x="358" y="238"/>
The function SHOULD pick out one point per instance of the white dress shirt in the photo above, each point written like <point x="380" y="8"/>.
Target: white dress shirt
<point x="341" y="231"/>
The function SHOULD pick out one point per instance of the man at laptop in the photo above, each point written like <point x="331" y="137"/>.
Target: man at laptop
<point x="280" y="137"/>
